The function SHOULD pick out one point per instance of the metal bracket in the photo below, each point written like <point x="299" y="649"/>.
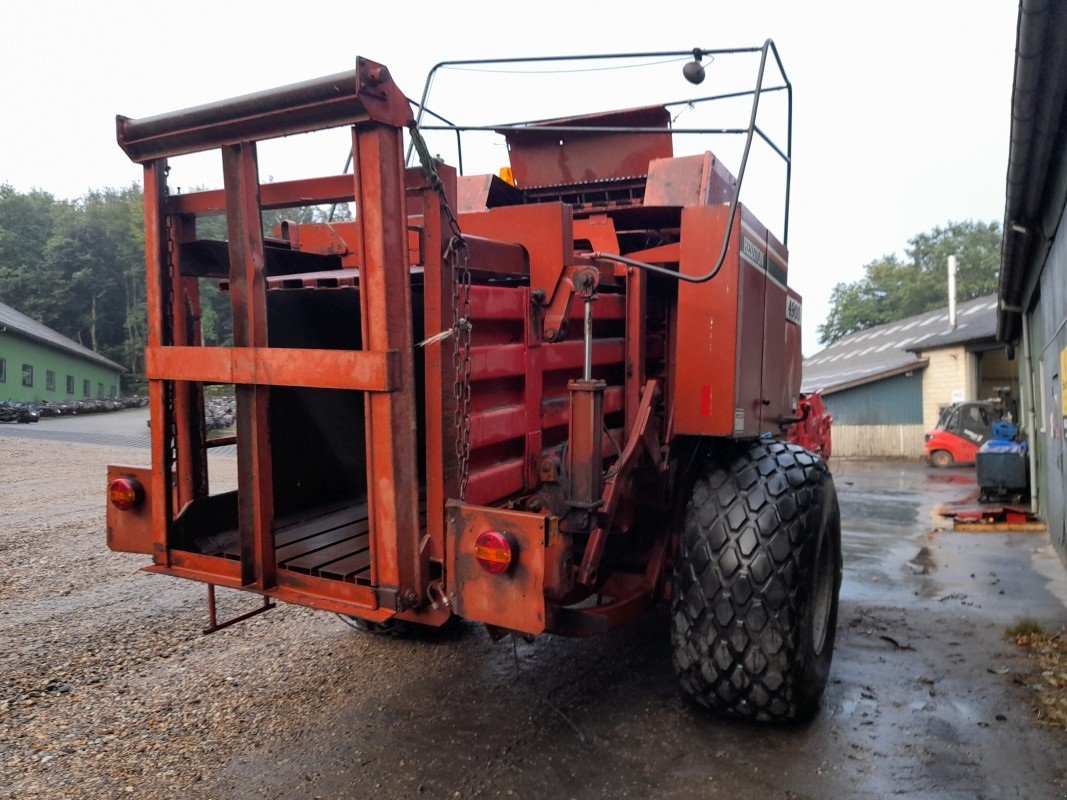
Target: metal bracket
<point x="212" y="622"/>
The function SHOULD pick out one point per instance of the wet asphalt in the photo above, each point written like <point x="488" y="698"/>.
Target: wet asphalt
<point x="921" y="703"/>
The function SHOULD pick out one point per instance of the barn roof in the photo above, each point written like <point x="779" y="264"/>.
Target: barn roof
<point x="16" y="322"/>
<point x="897" y="347"/>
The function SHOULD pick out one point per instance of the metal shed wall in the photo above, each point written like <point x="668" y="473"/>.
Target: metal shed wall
<point x="879" y="419"/>
<point x="1047" y="328"/>
<point x="893" y="401"/>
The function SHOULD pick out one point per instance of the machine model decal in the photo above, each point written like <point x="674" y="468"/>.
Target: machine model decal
<point x="753" y="254"/>
<point x="792" y="310"/>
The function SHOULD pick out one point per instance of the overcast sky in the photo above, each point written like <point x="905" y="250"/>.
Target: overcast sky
<point x="901" y="109"/>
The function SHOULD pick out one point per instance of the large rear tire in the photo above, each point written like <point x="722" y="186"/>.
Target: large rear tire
<point x="754" y="603"/>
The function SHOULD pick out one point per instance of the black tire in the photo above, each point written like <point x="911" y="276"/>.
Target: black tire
<point x="756" y="583"/>
<point x="942" y="459"/>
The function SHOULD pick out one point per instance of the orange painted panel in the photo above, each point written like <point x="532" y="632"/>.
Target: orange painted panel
<point x="704" y="374"/>
<point x="515" y="599"/>
<point x="274" y="366"/>
<point x="131" y="531"/>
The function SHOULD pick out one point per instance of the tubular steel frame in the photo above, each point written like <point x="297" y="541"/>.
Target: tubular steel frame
<point x="367" y="100"/>
<point x="768" y="48"/>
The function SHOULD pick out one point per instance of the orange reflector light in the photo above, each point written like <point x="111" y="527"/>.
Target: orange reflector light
<point x="493" y="551"/>
<point x="125" y="493"/>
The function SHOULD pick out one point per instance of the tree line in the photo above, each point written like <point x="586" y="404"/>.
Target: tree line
<point x="78" y="267"/>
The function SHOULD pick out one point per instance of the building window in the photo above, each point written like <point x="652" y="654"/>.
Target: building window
<point x="100" y="391"/>
<point x="27" y="374"/>
<point x="3" y="370"/>
<point x="87" y="388"/>
<point x="70" y="384"/>
<point x="114" y="394"/>
<point x="50" y="381"/>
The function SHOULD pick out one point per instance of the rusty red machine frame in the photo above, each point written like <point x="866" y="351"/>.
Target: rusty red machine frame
<point x="541" y="360"/>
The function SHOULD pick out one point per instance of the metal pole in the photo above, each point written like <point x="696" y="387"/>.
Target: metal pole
<point x="1030" y="399"/>
<point x="587" y="369"/>
<point x="952" y="292"/>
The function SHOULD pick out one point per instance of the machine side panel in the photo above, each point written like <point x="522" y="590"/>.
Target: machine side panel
<point x="778" y="367"/>
<point x="790" y="388"/>
<point x="751" y="331"/>
<point x="707" y="332"/>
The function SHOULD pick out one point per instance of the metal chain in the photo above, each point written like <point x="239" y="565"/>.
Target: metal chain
<point x="461" y="354"/>
<point x="458" y="256"/>
<point x="167" y="300"/>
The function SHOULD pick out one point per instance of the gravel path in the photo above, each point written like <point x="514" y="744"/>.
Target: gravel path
<point x="108" y="689"/>
<point x="100" y="697"/>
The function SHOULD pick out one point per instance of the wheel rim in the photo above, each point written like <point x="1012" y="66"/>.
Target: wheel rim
<point x="823" y="596"/>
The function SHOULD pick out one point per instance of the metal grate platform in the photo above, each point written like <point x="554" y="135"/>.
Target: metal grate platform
<point x="333" y="544"/>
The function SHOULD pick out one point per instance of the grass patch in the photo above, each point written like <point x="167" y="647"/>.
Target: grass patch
<point x="1027" y="626"/>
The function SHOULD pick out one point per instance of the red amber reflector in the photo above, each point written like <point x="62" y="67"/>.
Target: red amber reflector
<point x="493" y="551"/>
<point x="125" y="493"/>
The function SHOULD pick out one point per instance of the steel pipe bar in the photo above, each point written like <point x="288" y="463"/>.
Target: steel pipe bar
<point x="275" y="366"/>
<point x="345" y="98"/>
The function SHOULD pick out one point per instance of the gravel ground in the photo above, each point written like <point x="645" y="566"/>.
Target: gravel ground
<point x="108" y="688"/>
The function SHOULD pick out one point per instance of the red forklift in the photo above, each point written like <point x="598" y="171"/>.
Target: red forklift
<point x="961" y="430"/>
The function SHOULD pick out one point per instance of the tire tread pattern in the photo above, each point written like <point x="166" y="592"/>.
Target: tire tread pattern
<point x="740" y="581"/>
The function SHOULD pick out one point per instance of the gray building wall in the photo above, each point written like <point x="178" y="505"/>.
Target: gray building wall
<point x="1047" y="329"/>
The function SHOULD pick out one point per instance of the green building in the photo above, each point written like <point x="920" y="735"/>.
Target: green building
<point x="36" y="364"/>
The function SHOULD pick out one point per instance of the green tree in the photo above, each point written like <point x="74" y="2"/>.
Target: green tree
<point x="78" y="266"/>
<point x="25" y="226"/>
<point x="94" y="267"/>
<point x="893" y="288"/>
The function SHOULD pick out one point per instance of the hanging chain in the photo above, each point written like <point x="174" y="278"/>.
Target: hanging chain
<point x="457" y="254"/>
<point x="167" y="301"/>
<point x="459" y="261"/>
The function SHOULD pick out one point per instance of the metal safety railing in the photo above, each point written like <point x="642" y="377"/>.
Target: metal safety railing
<point x="766" y="51"/>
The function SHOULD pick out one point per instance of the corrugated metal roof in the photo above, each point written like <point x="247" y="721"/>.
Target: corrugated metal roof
<point x="17" y="322"/>
<point x="894" y="348"/>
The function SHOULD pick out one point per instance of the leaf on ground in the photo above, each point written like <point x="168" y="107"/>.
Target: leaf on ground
<point x="1046" y="656"/>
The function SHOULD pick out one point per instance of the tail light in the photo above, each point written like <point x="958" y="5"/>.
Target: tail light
<point x="125" y="493"/>
<point x="494" y="552"/>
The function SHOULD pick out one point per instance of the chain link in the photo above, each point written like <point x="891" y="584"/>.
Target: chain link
<point x="167" y="301"/>
<point x="457" y="254"/>
<point x="459" y="261"/>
